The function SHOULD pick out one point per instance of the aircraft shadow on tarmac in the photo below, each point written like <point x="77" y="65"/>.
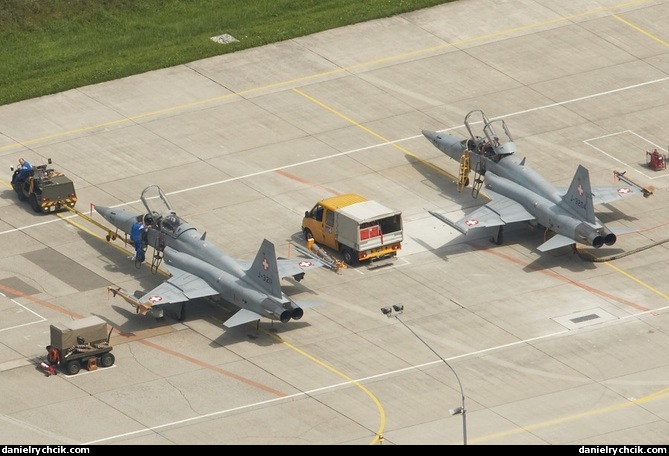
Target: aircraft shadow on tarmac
<point x="119" y="262"/>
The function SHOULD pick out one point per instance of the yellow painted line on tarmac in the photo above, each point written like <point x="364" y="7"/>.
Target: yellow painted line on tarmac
<point x="382" y="414"/>
<point x="651" y="397"/>
<point x="373" y="133"/>
<point x="642" y="31"/>
<point x="640" y="282"/>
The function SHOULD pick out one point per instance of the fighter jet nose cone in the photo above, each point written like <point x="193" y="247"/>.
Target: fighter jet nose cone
<point x="102" y="210"/>
<point x="429" y="134"/>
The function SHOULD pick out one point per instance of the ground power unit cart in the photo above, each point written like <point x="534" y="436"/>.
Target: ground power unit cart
<point x="80" y="343"/>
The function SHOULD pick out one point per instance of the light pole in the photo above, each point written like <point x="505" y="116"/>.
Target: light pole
<point x="399" y="309"/>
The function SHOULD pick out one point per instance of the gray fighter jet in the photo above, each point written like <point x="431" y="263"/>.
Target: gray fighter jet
<point x="200" y="269"/>
<point x="519" y="194"/>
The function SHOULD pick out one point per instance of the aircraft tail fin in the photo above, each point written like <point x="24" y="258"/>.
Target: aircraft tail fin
<point x="579" y="196"/>
<point x="264" y="271"/>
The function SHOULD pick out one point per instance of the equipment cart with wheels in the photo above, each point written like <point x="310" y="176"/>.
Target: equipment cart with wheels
<point x="655" y="160"/>
<point x="80" y="343"/>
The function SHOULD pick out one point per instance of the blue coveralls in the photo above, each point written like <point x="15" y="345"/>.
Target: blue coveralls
<point x="23" y="171"/>
<point x="136" y="238"/>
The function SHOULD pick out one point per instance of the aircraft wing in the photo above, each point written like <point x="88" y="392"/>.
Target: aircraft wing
<point x="182" y="286"/>
<point x="499" y="211"/>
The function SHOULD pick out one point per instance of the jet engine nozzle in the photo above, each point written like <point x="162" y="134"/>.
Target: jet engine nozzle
<point x="594" y="237"/>
<point x="606" y="237"/>
<point x="285" y="316"/>
<point x="297" y="313"/>
<point x="597" y="242"/>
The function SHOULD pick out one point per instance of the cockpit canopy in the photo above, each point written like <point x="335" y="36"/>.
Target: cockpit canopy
<point x="159" y="210"/>
<point x="487" y="141"/>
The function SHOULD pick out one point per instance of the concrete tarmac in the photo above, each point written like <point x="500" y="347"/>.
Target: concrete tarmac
<point x="540" y="349"/>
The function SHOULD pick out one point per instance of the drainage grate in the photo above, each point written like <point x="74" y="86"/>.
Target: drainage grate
<point x="585" y="318"/>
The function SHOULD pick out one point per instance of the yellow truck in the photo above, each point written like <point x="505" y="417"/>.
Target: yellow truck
<point x="358" y="228"/>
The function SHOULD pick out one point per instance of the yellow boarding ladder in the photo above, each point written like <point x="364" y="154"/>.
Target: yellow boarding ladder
<point x="463" y="174"/>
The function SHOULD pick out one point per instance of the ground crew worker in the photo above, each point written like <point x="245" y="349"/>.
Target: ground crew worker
<point x="136" y="236"/>
<point x="24" y="169"/>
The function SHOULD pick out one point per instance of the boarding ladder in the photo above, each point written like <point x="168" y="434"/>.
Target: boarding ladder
<point x="479" y="173"/>
<point x="465" y="168"/>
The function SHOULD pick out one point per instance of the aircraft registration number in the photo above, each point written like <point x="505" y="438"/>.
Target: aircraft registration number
<point x="578" y="202"/>
<point x="265" y="278"/>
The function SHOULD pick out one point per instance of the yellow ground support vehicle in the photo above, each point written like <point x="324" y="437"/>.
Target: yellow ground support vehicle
<point x="358" y="228"/>
<point x="45" y="189"/>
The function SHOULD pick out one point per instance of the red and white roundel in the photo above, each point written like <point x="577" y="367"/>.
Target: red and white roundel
<point x="306" y="264"/>
<point x="265" y="264"/>
<point x="624" y="190"/>
<point x="471" y="222"/>
<point x="155" y="299"/>
<point x="579" y="190"/>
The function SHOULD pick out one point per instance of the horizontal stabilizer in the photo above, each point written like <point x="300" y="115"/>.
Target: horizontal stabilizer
<point x="556" y="242"/>
<point x="309" y="304"/>
<point x="623" y="230"/>
<point x="559" y="240"/>
<point x="242" y="316"/>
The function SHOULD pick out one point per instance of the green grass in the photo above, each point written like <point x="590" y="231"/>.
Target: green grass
<point x="49" y="46"/>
